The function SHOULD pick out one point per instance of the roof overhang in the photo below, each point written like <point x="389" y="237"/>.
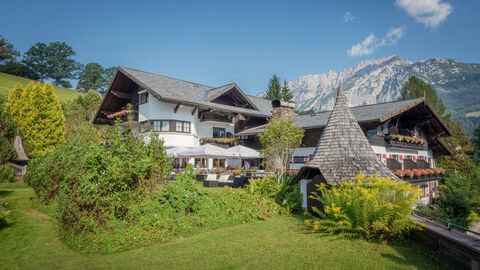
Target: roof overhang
<point x="199" y="104"/>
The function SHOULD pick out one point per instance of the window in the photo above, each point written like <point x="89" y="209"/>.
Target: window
<point x="201" y="163"/>
<point x="186" y="127"/>
<point x="179" y="126"/>
<point x="144" y="127"/>
<point x="219" y="163"/>
<point x="379" y="131"/>
<point x="171" y="126"/>
<point x="143" y="98"/>
<point x="218" y="132"/>
<point x="165" y="125"/>
<point x="156" y="125"/>
<point x="298" y="159"/>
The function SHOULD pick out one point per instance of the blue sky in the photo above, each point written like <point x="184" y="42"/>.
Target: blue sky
<point x="213" y="42"/>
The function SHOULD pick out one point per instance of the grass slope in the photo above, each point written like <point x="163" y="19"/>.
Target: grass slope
<point x="7" y="82"/>
<point x="30" y="242"/>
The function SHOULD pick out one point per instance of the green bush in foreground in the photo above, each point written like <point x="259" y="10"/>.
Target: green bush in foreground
<point x="286" y="194"/>
<point x="7" y="174"/>
<point x="371" y="207"/>
<point x="178" y="208"/>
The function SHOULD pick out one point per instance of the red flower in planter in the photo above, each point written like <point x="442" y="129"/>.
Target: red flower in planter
<point x="418" y="172"/>
<point x="400" y="173"/>
<point x="429" y="172"/>
<point x="409" y="173"/>
<point x="119" y="113"/>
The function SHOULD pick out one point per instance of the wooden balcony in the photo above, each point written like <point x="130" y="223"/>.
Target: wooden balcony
<point x="394" y="143"/>
<point x="214" y="117"/>
<point x="220" y="142"/>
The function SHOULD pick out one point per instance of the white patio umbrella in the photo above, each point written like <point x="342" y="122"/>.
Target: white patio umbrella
<point x="174" y="151"/>
<point x="245" y="152"/>
<point x="208" y="151"/>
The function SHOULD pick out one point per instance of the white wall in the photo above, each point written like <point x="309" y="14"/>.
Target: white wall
<point x="155" y="109"/>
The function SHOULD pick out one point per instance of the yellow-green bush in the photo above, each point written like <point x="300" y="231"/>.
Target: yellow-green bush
<point x="373" y="207"/>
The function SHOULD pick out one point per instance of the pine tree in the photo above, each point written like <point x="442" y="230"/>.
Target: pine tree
<point x="286" y="92"/>
<point x="38" y="114"/>
<point x="274" y="89"/>
<point x="416" y="88"/>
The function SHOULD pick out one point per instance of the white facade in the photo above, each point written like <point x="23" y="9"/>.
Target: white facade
<point x="155" y="109"/>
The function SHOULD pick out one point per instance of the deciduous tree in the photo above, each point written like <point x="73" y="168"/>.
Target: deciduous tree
<point x="7" y="50"/>
<point x="94" y="76"/>
<point x="36" y="59"/>
<point x="52" y="61"/>
<point x="278" y="140"/>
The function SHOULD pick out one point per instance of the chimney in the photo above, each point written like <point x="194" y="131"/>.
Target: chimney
<point x="283" y="109"/>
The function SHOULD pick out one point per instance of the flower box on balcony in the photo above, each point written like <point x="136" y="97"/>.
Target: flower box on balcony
<point x="219" y="141"/>
<point x="420" y="175"/>
<point x="402" y="141"/>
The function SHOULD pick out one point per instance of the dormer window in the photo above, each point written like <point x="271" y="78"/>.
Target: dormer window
<point x="143" y="97"/>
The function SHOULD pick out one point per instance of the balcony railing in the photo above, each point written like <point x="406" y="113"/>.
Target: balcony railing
<point x="393" y="141"/>
<point x="216" y="117"/>
<point x="220" y="142"/>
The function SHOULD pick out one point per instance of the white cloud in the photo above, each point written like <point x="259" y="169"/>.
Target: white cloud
<point x="429" y="12"/>
<point x="370" y="43"/>
<point x="363" y="48"/>
<point x="348" y="17"/>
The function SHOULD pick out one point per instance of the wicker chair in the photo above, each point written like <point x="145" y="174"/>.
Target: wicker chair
<point x="210" y="181"/>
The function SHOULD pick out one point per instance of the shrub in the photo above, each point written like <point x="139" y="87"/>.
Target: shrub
<point x="372" y="207"/>
<point x="7" y="174"/>
<point x="454" y="200"/>
<point x="177" y="208"/>
<point x="266" y="187"/>
<point x="286" y="194"/>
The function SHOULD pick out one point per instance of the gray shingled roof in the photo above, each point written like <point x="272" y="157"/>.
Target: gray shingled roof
<point x="215" y="91"/>
<point x="343" y="151"/>
<point x="18" y="146"/>
<point x="363" y="113"/>
<point x="189" y="92"/>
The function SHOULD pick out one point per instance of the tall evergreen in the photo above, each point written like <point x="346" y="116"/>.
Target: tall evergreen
<point x="13" y="104"/>
<point x="38" y="114"/>
<point x="274" y="89"/>
<point x="416" y="88"/>
<point x="286" y="92"/>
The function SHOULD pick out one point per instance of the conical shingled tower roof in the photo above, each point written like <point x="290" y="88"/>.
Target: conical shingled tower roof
<point x="343" y="151"/>
<point x="18" y="146"/>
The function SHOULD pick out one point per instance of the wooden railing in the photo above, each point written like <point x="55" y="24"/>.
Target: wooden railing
<point x="391" y="142"/>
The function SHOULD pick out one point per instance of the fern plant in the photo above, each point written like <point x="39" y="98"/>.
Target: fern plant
<point x="371" y="206"/>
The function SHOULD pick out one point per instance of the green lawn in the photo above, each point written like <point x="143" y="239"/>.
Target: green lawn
<point x="7" y="82"/>
<point x="30" y="242"/>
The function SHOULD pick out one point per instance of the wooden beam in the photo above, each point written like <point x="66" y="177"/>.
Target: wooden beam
<point x="122" y="95"/>
<point x="194" y="110"/>
<point x="177" y="107"/>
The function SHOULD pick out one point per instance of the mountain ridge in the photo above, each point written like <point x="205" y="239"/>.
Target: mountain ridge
<point x="380" y="80"/>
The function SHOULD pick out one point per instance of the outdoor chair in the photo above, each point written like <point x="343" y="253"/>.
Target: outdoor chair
<point x="210" y="181"/>
<point x="225" y="180"/>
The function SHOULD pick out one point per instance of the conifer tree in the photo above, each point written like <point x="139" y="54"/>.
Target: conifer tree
<point x="416" y="88"/>
<point x="286" y="92"/>
<point x="38" y="114"/>
<point x="13" y="104"/>
<point x="274" y="89"/>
